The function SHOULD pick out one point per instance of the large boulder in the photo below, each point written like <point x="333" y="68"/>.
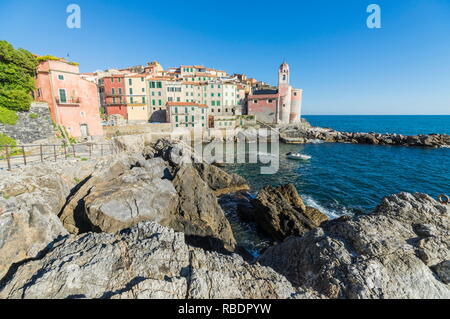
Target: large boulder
<point x="220" y="181"/>
<point x="199" y="213"/>
<point x="280" y="212"/>
<point x="30" y="201"/>
<point x="73" y="214"/>
<point x="401" y="250"/>
<point x="146" y="261"/>
<point x="140" y="194"/>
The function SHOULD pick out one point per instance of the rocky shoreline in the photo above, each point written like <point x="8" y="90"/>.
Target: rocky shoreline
<point x="307" y="134"/>
<point x="147" y="224"/>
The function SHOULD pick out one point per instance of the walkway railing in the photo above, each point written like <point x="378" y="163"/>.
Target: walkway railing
<point x="15" y="156"/>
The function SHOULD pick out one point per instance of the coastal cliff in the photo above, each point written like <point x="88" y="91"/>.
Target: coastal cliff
<point x="147" y="224"/>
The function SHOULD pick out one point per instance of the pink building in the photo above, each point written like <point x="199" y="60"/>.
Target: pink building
<point x="277" y="105"/>
<point x="73" y="101"/>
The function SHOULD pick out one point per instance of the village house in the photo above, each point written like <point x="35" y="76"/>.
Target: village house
<point x="187" y="115"/>
<point x="113" y="90"/>
<point x="136" y="98"/>
<point x="73" y="101"/>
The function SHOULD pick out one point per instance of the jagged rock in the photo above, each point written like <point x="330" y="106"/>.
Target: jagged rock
<point x="198" y="210"/>
<point x="73" y="215"/>
<point x="306" y="134"/>
<point x="146" y="261"/>
<point x="280" y="212"/>
<point x="140" y="194"/>
<point x="30" y="201"/>
<point x="220" y="181"/>
<point x="381" y="255"/>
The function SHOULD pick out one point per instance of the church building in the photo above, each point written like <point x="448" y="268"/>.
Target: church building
<point x="281" y="105"/>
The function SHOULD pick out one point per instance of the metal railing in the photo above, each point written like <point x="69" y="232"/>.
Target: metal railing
<point x="16" y="156"/>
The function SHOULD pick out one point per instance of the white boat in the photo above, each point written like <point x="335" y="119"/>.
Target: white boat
<point x="298" y="156"/>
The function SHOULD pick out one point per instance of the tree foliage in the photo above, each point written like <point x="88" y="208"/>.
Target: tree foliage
<point x="7" y="116"/>
<point x="17" y="71"/>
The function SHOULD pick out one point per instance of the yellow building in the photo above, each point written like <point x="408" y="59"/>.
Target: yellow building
<point x="136" y="96"/>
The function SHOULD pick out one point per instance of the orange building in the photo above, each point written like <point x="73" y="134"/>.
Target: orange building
<point x="73" y="101"/>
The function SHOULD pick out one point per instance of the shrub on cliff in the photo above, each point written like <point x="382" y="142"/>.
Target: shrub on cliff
<point x="7" y="116"/>
<point x="6" y="140"/>
<point x="17" y="70"/>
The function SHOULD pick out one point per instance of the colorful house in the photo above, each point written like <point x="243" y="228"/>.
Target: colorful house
<point x="73" y="100"/>
<point x="187" y="115"/>
<point x="136" y="96"/>
<point x="113" y="90"/>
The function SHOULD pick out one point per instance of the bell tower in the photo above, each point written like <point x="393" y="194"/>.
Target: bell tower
<point x="283" y="75"/>
<point x="284" y="94"/>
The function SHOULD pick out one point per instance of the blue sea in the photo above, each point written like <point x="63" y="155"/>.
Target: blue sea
<point x="344" y="178"/>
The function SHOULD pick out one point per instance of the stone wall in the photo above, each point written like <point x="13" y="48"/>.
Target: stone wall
<point x="30" y="128"/>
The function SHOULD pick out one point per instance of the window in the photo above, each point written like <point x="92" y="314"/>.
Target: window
<point x="112" y="80"/>
<point x="143" y="90"/>
<point x="153" y="102"/>
<point x="218" y="94"/>
<point x="61" y="77"/>
<point x="269" y="101"/>
<point x="120" y="90"/>
<point x="120" y="80"/>
<point x="113" y="91"/>
<point x="159" y="85"/>
<point x="159" y="102"/>
<point x="131" y="100"/>
<point x="143" y="99"/>
<point x="176" y="118"/>
<point x="62" y="96"/>
<point x="153" y="93"/>
<point x="176" y="110"/>
<point x="213" y="103"/>
<point x="142" y="79"/>
<point x="130" y="82"/>
<point x="255" y="101"/>
<point x="218" y="103"/>
<point x="131" y="91"/>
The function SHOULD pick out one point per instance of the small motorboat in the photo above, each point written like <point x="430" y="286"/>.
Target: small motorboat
<point x="298" y="156"/>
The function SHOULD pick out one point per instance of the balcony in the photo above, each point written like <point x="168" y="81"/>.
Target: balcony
<point x="68" y="102"/>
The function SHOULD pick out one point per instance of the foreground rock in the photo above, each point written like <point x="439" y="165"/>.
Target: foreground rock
<point x="280" y="212"/>
<point x="29" y="207"/>
<point x="42" y="203"/>
<point x="147" y="261"/>
<point x="401" y="250"/>
<point x="310" y="134"/>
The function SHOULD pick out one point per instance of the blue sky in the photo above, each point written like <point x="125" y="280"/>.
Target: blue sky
<point x="343" y="67"/>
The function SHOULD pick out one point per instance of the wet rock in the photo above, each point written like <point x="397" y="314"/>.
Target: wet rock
<point x="280" y="212"/>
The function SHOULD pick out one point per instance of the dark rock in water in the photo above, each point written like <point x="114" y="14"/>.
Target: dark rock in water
<point x="303" y="135"/>
<point x="246" y="211"/>
<point x="280" y="212"/>
<point x="401" y="250"/>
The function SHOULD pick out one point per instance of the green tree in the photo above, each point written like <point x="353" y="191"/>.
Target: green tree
<point x="17" y="71"/>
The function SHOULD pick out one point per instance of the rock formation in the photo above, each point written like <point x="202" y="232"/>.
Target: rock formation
<point x="146" y="261"/>
<point x="401" y="250"/>
<point x="308" y="134"/>
<point x="280" y="212"/>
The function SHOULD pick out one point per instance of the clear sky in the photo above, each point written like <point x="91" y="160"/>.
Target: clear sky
<point x="343" y="67"/>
